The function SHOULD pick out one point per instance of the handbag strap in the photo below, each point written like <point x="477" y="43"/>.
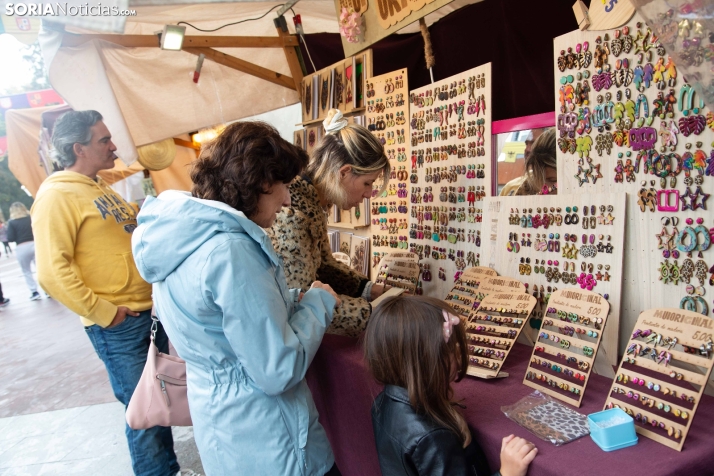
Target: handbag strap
<point x="154" y="327"/>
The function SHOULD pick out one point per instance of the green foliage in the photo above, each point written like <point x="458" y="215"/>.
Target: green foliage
<point x="10" y="190"/>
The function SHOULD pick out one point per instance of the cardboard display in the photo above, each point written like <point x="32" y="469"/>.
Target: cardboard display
<point x="562" y="362"/>
<point x="523" y="252"/>
<point x="387" y="112"/>
<point x="492" y="330"/>
<point x="645" y="256"/>
<point x="667" y="376"/>
<point x="451" y="147"/>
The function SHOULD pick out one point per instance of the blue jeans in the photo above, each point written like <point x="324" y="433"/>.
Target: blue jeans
<point x="123" y="349"/>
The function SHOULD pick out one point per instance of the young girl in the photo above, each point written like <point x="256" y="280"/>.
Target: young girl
<point x="416" y="347"/>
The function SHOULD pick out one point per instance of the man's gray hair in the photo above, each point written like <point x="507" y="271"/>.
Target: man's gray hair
<point x="72" y="128"/>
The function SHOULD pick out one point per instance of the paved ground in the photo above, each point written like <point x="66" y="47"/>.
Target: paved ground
<point x="57" y="412"/>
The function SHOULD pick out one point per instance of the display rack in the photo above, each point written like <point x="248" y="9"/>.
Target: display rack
<point x="553" y="252"/>
<point x="492" y="330"/>
<point x="465" y="296"/>
<point x="450" y="173"/>
<point x="564" y="355"/>
<point x="667" y="365"/>
<point x="400" y="270"/>
<point x="387" y="116"/>
<point x="654" y="143"/>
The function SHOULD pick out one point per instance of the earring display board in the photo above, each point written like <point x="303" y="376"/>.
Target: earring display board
<point x="399" y="270"/>
<point x="568" y="342"/>
<point x="465" y="296"/>
<point x="338" y="86"/>
<point x="663" y="373"/>
<point x="492" y="330"/>
<point x="551" y="241"/>
<point x="450" y="174"/>
<point x="386" y="115"/>
<point x="628" y="122"/>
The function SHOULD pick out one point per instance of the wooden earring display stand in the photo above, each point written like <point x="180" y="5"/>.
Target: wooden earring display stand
<point x="492" y="330"/>
<point x="399" y="270"/>
<point x="677" y="386"/>
<point x="465" y="295"/>
<point x="582" y="311"/>
<point x="387" y="116"/>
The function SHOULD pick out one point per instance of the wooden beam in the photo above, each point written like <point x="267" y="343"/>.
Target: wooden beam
<point x="292" y="57"/>
<point x="152" y="41"/>
<point x="245" y="67"/>
<point x="186" y="143"/>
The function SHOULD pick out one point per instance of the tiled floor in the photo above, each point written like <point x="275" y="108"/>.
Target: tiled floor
<point x="57" y="412"/>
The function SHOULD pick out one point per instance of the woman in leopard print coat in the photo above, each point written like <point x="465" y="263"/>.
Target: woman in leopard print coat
<point x="342" y="171"/>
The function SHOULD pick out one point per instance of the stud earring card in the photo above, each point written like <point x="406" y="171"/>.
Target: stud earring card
<point x="492" y="330"/>
<point x="567" y="344"/>
<point x="663" y="373"/>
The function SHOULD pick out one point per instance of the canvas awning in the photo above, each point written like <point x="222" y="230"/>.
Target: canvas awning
<point x="147" y="94"/>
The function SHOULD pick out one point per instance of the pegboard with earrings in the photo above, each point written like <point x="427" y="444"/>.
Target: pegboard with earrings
<point x="451" y="134"/>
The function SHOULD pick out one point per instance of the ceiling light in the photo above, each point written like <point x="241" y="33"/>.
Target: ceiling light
<point x="172" y="37"/>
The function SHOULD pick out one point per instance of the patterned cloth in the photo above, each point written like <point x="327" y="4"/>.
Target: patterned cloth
<point x="299" y="235"/>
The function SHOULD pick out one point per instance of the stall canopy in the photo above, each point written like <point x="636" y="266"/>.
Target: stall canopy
<point x="147" y="94"/>
<point x="23" y="128"/>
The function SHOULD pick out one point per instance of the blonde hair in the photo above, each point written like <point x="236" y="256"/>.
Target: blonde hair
<point x="18" y="210"/>
<point x="345" y="144"/>
<point x="542" y="157"/>
<point x="2" y="216"/>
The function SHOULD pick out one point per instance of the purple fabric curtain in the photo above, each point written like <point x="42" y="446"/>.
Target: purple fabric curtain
<point x="515" y="35"/>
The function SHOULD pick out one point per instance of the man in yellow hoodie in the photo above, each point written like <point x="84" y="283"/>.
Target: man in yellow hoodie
<point x="83" y="252"/>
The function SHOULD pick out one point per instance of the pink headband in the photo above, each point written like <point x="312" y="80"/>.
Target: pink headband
<point x="449" y="322"/>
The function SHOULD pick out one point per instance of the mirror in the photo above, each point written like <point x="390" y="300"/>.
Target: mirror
<point x="512" y="140"/>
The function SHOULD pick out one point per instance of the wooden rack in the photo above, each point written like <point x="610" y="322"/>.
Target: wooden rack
<point x="684" y="372"/>
<point x="585" y="312"/>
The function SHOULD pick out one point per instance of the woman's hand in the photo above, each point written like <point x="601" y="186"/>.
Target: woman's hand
<point x="378" y="290"/>
<point x="516" y="455"/>
<point x="326" y="287"/>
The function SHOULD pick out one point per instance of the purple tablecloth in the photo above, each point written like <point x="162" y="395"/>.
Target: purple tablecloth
<point x="343" y="391"/>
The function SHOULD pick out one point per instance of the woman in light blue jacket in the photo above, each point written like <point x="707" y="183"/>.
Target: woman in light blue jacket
<point x="221" y="294"/>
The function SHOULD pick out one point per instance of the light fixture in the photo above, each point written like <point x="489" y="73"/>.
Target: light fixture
<point x="172" y="37"/>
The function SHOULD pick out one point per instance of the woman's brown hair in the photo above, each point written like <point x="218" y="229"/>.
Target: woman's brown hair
<point x="404" y="346"/>
<point x="242" y="162"/>
<point x="542" y="157"/>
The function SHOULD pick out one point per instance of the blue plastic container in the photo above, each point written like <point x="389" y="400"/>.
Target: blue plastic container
<point x="613" y="437"/>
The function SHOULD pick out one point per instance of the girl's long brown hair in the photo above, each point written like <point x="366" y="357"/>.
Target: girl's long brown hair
<point x="404" y="346"/>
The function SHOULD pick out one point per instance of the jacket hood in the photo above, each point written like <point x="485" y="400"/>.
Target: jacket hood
<point x="175" y="224"/>
<point x="66" y="176"/>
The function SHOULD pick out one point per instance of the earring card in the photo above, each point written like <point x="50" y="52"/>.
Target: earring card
<point x="542" y="240"/>
<point x="386" y="116"/>
<point x="667" y="365"/>
<point x="567" y="344"/>
<point x="492" y="330"/>
<point x="450" y="173"/>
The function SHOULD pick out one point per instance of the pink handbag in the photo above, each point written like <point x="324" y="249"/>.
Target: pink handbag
<point x="160" y="396"/>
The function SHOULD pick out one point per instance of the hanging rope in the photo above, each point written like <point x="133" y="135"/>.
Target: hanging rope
<point x="428" y="51"/>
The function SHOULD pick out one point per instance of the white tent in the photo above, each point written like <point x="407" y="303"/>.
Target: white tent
<point x="147" y="94"/>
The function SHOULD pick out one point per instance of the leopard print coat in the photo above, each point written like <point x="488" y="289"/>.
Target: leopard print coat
<point x="299" y="235"/>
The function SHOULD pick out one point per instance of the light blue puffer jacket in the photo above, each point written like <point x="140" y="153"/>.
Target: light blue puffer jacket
<point x="220" y="292"/>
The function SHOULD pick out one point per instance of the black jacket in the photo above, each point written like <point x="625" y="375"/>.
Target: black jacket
<point x="409" y="444"/>
<point x="19" y="230"/>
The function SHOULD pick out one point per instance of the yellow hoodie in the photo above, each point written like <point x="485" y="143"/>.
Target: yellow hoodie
<point x="82" y="234"/>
